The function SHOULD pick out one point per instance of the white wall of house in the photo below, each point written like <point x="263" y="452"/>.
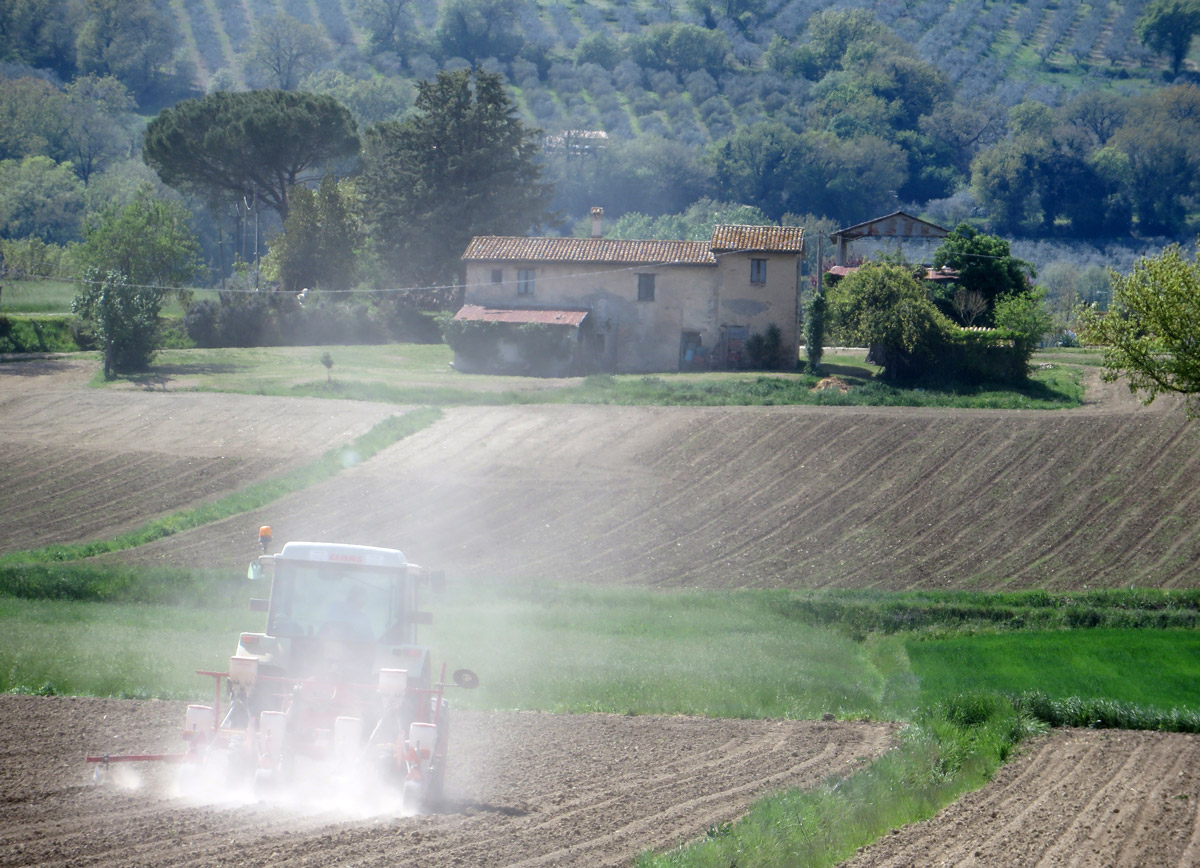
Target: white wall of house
<point x="644" y="316"/>
<point x="639" y="334"/>
<point x="744" y="301"/>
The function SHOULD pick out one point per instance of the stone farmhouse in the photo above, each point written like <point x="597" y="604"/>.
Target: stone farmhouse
<point x="639" y="306"/>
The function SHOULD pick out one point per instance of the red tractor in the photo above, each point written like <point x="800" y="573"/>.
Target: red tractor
<point x="336" y="687"/>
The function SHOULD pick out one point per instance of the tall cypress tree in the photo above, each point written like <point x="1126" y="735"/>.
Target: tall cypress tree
<point x="464" y="164"/>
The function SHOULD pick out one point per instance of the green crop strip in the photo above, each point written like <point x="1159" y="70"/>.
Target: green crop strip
<point x="1079" y="665"/>
<point x="932" y="613"/>
<point x="253" y="496"/>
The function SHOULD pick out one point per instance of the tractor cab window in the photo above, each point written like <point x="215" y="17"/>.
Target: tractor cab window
<point x="334" y="601"/>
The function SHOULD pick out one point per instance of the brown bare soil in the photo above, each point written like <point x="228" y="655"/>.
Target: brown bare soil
<point x="525" y="789"/>
<point x="1103" y="496"/>
<point x="1083" y="798"/>
<point x="81" y="464"/>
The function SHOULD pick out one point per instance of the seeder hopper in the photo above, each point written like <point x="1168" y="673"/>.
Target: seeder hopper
<point x="335" y="690"/>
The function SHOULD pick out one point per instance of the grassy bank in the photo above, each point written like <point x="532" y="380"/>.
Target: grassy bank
<point x="860" y="613"/>
<point x="421" y="374"/>
<point x="37" y="334"/>
<point x="938" y="760"/>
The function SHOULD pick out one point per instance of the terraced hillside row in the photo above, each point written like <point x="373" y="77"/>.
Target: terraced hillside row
<point x="1003" y="48"/>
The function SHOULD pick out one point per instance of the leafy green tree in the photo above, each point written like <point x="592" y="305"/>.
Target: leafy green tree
<point x="885" y="308"/>
<point x="260" y="142"/>
<point x="598" y="48"/>
<point x="899" y="86"/>
<point x="93" y="133"/>
<point x="1161" y="142"/>
<point x="149" y="242"/>
<point x="763" y="165"/>
<point x="1098" y="113"/>
<point x="40" y="33"/>
<point x="132" y="40"/>
<point x="283" y="51"/>
<point x="478" y="29"/>
<point x="1004" y="179"/>
<point x="387" y="22"/>
<point x="1031" y="118"/>
<point x="463" y="165"/>
<point x="743" y="13"/>
<point x="846" y="178"/>
<point x="31" y="121"/>
<point x="961" y="130"/>
<point x="132" y="258"/>
<point x="40" y="198"/>
<point x="1150" y="330"/>
<point x="985" y="265"/>
<point x="321" y="238"/>
<point x="1024" y="317"/>
<point x="1168" y="27"/>
<point x="125" y="320"/>
<point x="679" y="47"/>
<point x="370" y="100"/>
<point x="831" y="34"/>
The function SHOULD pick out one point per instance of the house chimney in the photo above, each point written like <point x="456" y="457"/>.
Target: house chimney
<point x="597" y="222"/>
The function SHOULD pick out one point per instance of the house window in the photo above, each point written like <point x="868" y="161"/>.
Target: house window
<point x="497" y="275"/>
<point x="645" y="287"/>
<point x="758" y="271"/>
<point x="524" y="281"/>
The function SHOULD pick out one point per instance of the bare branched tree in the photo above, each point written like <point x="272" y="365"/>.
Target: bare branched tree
<point x="969" y="304"/>
<point x="284" y="51"/>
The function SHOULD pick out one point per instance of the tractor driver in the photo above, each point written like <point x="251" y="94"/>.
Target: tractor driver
<point x="347" y="619"/>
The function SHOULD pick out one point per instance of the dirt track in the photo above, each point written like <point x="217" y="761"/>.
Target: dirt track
<point x="544" y="790"/>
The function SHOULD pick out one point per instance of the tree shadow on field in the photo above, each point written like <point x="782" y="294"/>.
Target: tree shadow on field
<point x="858" y="373"/>
<point x="33" y="365"/>
<point x="160" y="376"/>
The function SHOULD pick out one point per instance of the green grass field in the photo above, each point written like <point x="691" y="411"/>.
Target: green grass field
<point x="1152" y="668"/>
<point x="37" y="296"/>
<point x="55" y="297"/>
<point x="422" y="374"/>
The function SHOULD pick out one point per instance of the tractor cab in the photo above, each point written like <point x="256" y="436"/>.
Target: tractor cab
<point x="343" y="610"/>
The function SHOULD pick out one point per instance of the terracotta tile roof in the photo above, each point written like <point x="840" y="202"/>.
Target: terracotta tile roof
<point x="549" y="316"/>
<point x="500" y="248"/>
<point x="774" y="239"/>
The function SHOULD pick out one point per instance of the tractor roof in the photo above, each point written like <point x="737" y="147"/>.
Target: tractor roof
<point x="342" y="553"/>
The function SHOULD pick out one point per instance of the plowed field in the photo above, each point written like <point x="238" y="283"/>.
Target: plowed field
<point x="1103" y="496"/>
<point x="1081" y="798"/>
<point x="81" y="464"/>
<point x="526" y="789"/>
<point x="723" y="497"/>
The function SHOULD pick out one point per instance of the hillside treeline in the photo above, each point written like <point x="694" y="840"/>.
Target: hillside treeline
<point x="1034" y="119"/>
